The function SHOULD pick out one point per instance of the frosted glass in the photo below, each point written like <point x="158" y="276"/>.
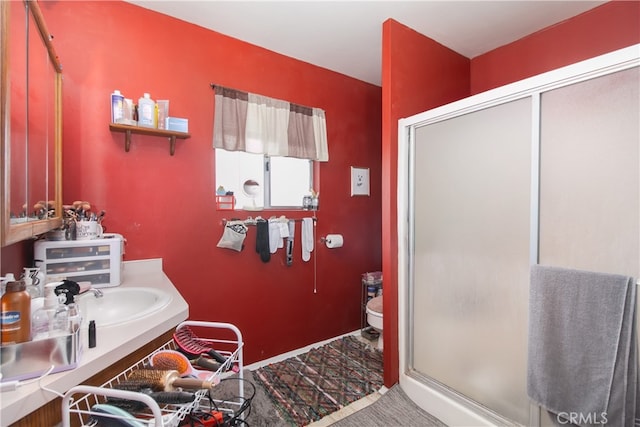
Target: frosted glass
<point x="590" y="175"/>
<point x="471" y="256"/>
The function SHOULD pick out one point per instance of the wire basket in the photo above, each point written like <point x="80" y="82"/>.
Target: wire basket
<point x="144" y="410"/>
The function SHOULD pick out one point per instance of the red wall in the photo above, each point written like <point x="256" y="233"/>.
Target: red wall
<point x="408" y="88"/>
<point x="164" y="205"/>
<point x="153" y="198"/>
<point x="417" y="74"/>
<point x="603" y="29"/>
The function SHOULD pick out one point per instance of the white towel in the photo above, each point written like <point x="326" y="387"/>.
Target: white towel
<point x="278" y="231"/>
<point x="274" y="237"/>
<point x="307" y="238"/>
<point x="284" y="229"/>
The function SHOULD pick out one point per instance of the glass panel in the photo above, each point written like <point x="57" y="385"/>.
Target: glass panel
<point x="590" y="175"/>
<point x="18" y="110"/>
<point x="233" y="168"/>
<point x="290" y="178"/>
<point x="285" y="189"/>
<point x="40" y="84"/>
<point x="471" y="256"/>
<point x="50" y="138"/>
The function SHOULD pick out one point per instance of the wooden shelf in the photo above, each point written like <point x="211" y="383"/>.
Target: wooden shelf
<point x="128" y="130"/>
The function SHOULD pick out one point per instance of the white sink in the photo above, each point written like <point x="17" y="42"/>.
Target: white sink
<point x="121" y="305"/>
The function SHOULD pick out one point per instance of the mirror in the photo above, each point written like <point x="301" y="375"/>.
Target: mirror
<point x="31" y="124"/>
<point x="251" y="189"/>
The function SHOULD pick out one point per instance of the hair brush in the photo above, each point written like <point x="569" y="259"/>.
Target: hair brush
<point x="171" y="359"/>
<point x="164" y="397"/>
<point x="194" y="346"/>
<point x="164" y="380"/>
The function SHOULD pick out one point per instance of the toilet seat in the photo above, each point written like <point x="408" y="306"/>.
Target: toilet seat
<point x="374" y="306"/>
<point x="374" y="313"/>
<point x="374" y="317"/>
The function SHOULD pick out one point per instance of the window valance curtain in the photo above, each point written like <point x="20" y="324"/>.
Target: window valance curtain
<point x="258" y="124"/>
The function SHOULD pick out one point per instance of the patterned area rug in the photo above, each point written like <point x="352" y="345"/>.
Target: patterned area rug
<point x="312" y="385"/>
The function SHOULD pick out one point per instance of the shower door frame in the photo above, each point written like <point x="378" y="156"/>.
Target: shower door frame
<point x="449" y="405"/>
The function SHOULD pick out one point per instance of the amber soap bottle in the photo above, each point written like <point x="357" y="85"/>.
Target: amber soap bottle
<point x="16" y="314"/>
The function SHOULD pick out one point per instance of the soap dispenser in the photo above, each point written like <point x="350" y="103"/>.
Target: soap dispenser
<point x="52" y="319"/>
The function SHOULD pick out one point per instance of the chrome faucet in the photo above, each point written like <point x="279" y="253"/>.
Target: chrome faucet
<point x="96" y="293"/>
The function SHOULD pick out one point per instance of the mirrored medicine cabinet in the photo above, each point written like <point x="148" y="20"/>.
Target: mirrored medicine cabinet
<point x="31" y="124"/>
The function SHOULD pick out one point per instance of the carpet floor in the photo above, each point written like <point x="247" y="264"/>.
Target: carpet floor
<point x="394" y="408"/>
<point x="262" y="412"/>
<point x="307" y="387"/>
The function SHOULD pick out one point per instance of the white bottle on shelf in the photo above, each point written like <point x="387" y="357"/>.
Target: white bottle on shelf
<point x="147" y="112"/>
<point x="117" y="107"/>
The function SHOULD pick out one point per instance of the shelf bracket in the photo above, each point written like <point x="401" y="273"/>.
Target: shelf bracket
<point x="172" y="144"/>
<point x="127" y="140"/>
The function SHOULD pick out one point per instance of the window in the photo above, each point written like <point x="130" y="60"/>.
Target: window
<point x="283" y="181"/>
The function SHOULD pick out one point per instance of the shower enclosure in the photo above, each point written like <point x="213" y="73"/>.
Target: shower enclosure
<point x="546" y="170"/>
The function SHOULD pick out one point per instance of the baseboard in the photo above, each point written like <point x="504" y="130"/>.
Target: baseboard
<point x="292" y="353"/>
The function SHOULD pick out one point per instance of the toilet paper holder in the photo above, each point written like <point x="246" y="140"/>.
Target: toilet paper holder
<point x="332" y="240"/>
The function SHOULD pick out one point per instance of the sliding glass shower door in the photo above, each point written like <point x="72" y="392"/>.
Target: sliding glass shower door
<point x="471" y="226"/>
<point x="543" y="171"/>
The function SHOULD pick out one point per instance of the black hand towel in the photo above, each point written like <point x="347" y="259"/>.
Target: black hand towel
<point x="262" y="240"/>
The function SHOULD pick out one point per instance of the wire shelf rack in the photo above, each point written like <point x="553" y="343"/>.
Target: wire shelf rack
<point x="79" y="403"/>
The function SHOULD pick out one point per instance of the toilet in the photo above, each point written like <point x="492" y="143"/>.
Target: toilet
<point x="374" y="316"/>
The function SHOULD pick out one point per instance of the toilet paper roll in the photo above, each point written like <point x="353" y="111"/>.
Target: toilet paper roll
<point x="334" y="241"/>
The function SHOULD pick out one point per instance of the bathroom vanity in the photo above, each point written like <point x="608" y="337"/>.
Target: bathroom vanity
<point x="115" y="343"/>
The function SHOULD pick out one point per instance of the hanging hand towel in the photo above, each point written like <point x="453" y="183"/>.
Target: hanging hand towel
<point x="278" y="230"/>
<point x="307" y="238"/>
<point x="284" y="228"/>
<point x="582" y="345"/>
<point x="274" y="237"/>
<point x="262" y="240"/>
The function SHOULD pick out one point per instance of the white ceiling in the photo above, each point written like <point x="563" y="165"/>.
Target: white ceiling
<point x="346" y="36"/>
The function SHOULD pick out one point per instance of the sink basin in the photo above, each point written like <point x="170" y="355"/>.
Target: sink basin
<point x="121" y="305"/>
